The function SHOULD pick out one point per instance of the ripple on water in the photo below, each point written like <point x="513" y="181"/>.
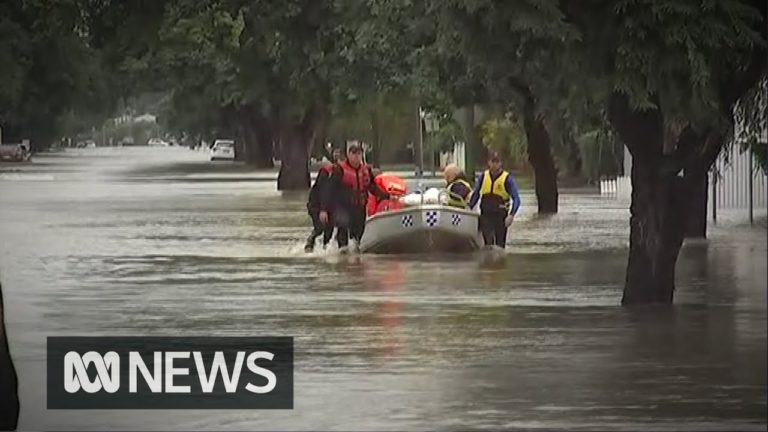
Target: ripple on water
<point x="160" y="242"/>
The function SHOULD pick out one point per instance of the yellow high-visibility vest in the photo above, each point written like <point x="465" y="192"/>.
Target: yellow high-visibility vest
<point x="497" y="187"/>
<point x="456" y="200"/>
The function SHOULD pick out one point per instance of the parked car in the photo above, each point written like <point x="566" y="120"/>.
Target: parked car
<point x="13" y="153"/>
<point x="157" y="142"/>
<point x="223" y="150"/>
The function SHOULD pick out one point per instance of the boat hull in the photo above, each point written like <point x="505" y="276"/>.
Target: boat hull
<point x="422" y="229"/>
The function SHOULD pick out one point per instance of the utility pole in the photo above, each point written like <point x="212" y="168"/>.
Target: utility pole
<point x="421" y="144"/>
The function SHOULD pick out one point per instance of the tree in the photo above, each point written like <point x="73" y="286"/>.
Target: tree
<point x="506" y="52"/>
<point x="506" y="136"/>
<point x="281" y="68"/>
<point x="49" y="70"/>
<point x="9" y="397"/>
<point x="671" y="73"/>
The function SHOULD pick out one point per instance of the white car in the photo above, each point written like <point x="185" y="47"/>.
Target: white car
<point x="157" y="142"/>
<point x="223" y="150"/>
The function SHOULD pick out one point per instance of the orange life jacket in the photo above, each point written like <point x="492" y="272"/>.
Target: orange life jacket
<point x="393" y="185"/>
<point x="357" y="181"/>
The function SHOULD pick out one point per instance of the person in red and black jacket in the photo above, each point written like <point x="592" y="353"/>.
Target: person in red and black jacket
<point x="346" y="196"/>
<point x="313" y="204"/>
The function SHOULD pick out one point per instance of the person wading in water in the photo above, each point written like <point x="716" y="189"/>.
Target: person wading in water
<point x="346" y="196"/>
<point x="313" y="204"/>
<point x="499" y="201"/>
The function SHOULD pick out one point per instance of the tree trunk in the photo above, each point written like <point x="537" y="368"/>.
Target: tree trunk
<point x="9" y="397"/>
<point x="539" y="152"/>
<point x="260" y="150"/>
<point x="256" y="134"/>
<point x="697" y="180"/>
<point x="656" y="234"/>
<point x="657" y="212"/>
<point x="697" y="189"/>
<point x="540" y="157"/>
<point x="294" y="153"/>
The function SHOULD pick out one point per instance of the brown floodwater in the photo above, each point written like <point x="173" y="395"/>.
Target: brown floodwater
<point x="159" y="241"/>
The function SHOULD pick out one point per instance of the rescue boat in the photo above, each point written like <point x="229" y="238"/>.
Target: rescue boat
<point x="424" y="224"/>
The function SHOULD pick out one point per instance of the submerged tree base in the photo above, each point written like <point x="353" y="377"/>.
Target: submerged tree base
<point x="9" y="398"/>
<point x="294" y="158"/>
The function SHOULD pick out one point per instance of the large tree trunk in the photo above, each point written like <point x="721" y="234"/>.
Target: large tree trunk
<point x="545" y="173"/>
<point x="256" y="136"/>
<point x="539" y="152"/>
<point x="540" y="157"/>
<point x="9" y="398"/>
<point x="658" y="206"/>
<point x="295" y="142"/>
<point x="656" y="234"/>
<point x="697" y="180"/>
<point x="260" y="145"/>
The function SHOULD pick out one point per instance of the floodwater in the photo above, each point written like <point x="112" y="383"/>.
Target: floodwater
<point x="158" y="241"/>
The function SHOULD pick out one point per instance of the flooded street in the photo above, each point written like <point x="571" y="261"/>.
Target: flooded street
<point x="159" y="241"/>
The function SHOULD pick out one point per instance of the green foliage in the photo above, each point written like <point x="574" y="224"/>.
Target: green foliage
<point x="752" y="122"/>
<point x="602" y="154"/>
<point x="507" y="137"/>
<point x="48" y="70"/>
<point x="394" y="118"/>
<point x="670" y="54"/>
<point x="445" y="136"/>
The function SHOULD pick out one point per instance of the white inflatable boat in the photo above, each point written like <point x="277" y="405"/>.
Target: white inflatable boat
<point x="422" y="228"/>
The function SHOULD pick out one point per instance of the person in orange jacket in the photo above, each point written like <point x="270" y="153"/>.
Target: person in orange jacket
<point x="346" y="195"/>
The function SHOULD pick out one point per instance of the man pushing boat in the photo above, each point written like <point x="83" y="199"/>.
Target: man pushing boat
<point x="346" y="195"/>
<point x="313" y="203"/>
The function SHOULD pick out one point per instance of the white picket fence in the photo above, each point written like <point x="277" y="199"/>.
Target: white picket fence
<point x="457" y="156"/>
<point x="736" y="184"/>
<point x="620" y="188"/>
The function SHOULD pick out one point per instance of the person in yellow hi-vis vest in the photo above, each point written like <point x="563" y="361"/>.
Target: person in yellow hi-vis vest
<point x="499" y="201"/>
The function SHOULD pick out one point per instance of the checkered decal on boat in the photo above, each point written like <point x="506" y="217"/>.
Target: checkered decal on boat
<point x="407" y="221"/>
<point x="455" y="219"/>
<point x="431" y="218"/>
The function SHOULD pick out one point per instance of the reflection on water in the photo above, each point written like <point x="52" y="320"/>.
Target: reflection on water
<point x="160" y="242"/>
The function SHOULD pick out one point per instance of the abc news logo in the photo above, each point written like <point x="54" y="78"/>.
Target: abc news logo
<point x="160" y="379"/>
<point x="170" y="373"/>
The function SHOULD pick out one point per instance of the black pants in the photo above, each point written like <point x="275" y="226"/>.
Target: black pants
<point x="493" y="228"/>
<point x="319" y="229"/>
<point x="350" y="223"/>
